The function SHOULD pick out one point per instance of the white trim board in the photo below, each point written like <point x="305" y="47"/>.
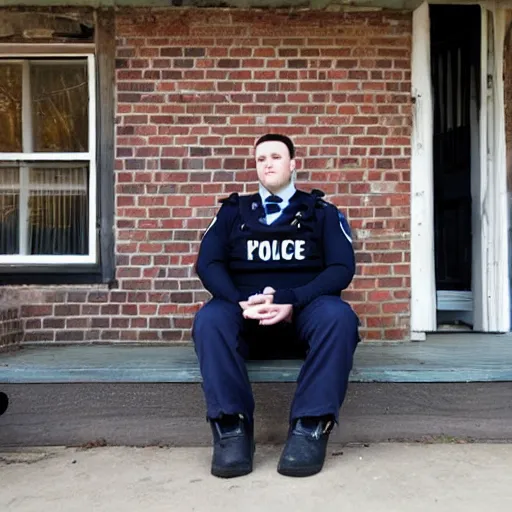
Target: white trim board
<point x="495" y="200"/>
<point x="423" y="291"/>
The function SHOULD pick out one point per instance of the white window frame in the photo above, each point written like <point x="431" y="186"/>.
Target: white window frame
<point x="88" y="157"/>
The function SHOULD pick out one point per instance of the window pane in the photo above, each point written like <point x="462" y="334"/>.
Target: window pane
<point x="9" y="210"/>
<point x="10" y="107"/>
<point x="60" y="106"/>
<point x="58" y="209"/>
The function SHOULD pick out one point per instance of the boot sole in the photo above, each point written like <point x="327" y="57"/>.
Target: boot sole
<point x="230" y="472"/>
<point x="300" y="472"/>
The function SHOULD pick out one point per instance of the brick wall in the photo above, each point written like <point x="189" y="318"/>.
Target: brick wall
<point x="11" y="330"/>
<point x="11" y="325"/>
<point x="194" y="90"/>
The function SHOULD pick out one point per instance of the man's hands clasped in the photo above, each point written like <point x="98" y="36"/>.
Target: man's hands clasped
<point x="261" y="307"/>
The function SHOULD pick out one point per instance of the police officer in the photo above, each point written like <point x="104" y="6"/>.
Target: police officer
<point x="275" y="263"/>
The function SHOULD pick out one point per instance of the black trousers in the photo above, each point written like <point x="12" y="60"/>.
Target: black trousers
<point x="325" y="333"/>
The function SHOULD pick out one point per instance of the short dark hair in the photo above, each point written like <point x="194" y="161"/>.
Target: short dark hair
<point x="280" y="138"/>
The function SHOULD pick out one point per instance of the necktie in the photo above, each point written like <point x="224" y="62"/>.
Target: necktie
<point x="271" y="204"/>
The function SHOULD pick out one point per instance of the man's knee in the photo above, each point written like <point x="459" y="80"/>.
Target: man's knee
<point x="333" y="308"/>
<point x="335" y="312"/>
<point x="216" y="314"/>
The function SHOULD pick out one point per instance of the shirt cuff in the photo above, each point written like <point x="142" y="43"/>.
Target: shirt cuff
<point x="242" y="297"/>
<point x="286" y="296"/>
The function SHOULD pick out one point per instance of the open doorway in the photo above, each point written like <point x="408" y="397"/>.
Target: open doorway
<point x="455" y="41"/>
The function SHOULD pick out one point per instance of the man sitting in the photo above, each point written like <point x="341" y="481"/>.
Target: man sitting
<point x="275" y="262"/>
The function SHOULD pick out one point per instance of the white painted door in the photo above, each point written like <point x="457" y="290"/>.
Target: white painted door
<point x="491" y="215"/>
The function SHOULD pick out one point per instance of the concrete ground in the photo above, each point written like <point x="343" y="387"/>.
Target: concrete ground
<point x="382" y="477"/>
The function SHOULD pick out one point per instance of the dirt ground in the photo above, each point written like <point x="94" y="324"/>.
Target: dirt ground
<point x="391" y="477"/>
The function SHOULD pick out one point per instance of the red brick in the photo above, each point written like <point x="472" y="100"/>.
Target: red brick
<point x="395" y="307"/>
<point x="381" y="321"/>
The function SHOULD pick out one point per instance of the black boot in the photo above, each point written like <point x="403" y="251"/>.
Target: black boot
<point x="304" y="452"/>
<point x="233" y="446"/>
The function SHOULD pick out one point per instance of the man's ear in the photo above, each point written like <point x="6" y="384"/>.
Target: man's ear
<point x="293" y="164"/>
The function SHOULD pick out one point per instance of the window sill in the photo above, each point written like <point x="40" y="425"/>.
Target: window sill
<point x="48" y="275"/>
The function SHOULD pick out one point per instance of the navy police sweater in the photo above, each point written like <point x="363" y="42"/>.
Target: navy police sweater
<point x="307" y="252"/>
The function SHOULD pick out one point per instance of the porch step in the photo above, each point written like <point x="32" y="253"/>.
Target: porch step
<point x="450" y="387"/>
<point x="442" y="358"/>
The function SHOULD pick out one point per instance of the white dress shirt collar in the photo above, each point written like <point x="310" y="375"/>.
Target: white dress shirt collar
<point x="285" y="193"/>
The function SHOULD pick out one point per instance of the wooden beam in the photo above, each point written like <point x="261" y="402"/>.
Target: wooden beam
<point x="499" y="279"/>
<point x="313" y="4"/>
<point x="174" y="414"/>
<point x="105" y="61"/>
<point x="50" y="49"/>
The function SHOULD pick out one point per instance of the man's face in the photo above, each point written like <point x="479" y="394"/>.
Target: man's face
<point x="274" y="165"/>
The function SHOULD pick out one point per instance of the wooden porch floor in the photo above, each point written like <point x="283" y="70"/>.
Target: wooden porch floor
<point x="448" y="357"/>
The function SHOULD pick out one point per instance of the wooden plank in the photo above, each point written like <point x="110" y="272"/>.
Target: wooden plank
<point x="105" y="55"/>
<point x="423" y="296"/>
<point x="443" y="358"/>
<point x="51" y="49"/>
<point x="499" y="278"/>
<point x="320" y="4"/>
<point x="173" y="414"/>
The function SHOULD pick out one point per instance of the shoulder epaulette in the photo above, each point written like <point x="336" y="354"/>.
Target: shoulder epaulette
<point x="318" y="194"/>
<point x="232" y="199"/>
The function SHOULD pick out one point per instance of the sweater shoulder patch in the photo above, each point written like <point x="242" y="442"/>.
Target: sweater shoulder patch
<point x="232" y="199"/>
<point x="345" y="227"/>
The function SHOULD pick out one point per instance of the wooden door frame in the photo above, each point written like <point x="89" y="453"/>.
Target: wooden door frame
<point x="493" y="291"/>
